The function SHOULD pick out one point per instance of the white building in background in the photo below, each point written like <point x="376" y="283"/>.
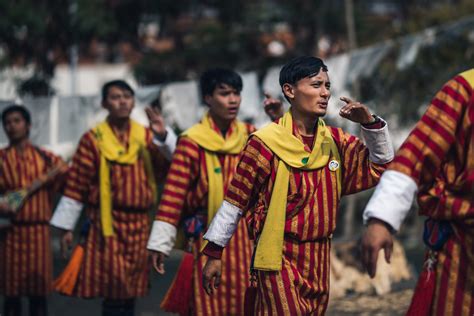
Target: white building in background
<point x="90" y="78"/>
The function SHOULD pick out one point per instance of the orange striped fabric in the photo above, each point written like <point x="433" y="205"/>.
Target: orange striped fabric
<point x="302" y="287"/>
<point x="184" y="194"/>
<point x="115" y="267"/>
<point x="439" y="155"/>
<point x="25" y="249"/>
<point x="128" y="182"/>
<point x="18" y="171"/>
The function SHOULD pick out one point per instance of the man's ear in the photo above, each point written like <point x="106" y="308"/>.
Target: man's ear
<point x="288" y="90"/>
<point x="207" y="98"/>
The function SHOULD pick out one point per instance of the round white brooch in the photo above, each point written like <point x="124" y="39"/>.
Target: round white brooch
<point x="333" y="165"/>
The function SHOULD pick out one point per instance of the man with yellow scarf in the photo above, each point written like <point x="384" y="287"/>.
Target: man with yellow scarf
<point x="201" y="169"/>
<point x="288" y="185"/>
<point x="113" y="175"/>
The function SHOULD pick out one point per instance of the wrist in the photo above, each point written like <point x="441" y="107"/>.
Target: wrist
<point x="161" y="136"/>
<point x="379" y="222"/>
<point x="374" y="120"/>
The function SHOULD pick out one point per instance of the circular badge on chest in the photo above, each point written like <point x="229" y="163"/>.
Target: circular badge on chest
<point x="333" y="165"/>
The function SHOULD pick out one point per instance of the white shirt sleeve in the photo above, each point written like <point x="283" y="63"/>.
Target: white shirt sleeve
<point x="167" y="146"/>
<point x="392" y="199"/>
<point x="224" y="224"/>
<point x="67" y="213"/>
<point x="379" y="144"/>
<point x="162" y="237"/>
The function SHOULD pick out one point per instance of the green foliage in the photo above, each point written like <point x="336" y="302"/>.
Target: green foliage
<point x="407" y="92"/>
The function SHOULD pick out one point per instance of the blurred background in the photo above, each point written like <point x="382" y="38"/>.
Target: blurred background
<point x="392" y="55"/>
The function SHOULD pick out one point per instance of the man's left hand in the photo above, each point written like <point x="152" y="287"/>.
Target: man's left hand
<point x="355" y="112"/>
<point x="157" y="123"/>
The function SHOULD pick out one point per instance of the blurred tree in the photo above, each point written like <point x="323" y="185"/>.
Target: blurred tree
<point x="198" y="34"/>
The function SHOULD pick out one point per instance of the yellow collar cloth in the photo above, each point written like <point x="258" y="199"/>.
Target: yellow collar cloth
<point x="291" y="152"/>
<point x="112" y="150"/>
<point x="214" y="143"/>
<point x="469" y="76"/>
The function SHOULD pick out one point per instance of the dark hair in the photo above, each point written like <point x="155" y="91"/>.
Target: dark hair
<point x="299" y="68"/>
<point x="212" y="78"/>
<point x="16" y="108"/>
<point x="115" y="83"/>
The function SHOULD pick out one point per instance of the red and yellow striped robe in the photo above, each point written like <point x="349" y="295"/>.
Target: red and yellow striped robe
<point x="25" y="247"/>
<point x="302" y="286"/>
<point x="185" y="193"/>
<point x="439" y="156"/>
<point x="115" y="267"/>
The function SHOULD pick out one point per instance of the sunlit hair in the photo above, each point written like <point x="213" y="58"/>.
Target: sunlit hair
<point x="299" y="68"/>
<point x="115" y="83"/>
<point x="213" y="78"/>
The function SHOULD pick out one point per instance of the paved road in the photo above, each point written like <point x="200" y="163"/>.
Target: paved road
<point x="148" y="306"/>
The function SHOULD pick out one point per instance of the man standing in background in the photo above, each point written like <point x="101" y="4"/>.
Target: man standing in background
<point x="25" y="246"/>
<point x="113" y="175"/>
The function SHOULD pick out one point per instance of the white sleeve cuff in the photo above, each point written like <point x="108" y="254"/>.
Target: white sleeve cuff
<point x="379" y="143"/>
<point x="392" y="199"/>
<point x="67" y="213"/>
<point x="167" y="146"/>
<point x="223" y="224"/>
<point x="162" y="237"/>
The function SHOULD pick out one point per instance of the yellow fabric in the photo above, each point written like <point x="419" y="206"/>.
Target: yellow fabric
<point x="213" y="143"/>
<point x="111" y="150"/>
<point x="291" y="153"/>
<point x="469" y="76"/>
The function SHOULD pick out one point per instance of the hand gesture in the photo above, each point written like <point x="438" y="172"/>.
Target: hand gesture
<point x="157" y="123"/>
<point x="376" y="237"/>
<point x="273" y="107"/>
<point x="211" y="275"/>
<point x="355" y="112"/>
<point x="158" y="261"/>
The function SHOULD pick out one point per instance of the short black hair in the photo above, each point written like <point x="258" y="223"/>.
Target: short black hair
<point x="16" y="108"/>
<point x="299" y="68"/>
<point x="214" y="77"/>
<point x="115" y="83"/>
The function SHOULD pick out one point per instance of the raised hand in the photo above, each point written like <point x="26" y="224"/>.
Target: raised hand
<point x="157" y="123"/>
<point x="355" y="112"/>
<point x="211" y="275"/>
<point x="273" y="107"/>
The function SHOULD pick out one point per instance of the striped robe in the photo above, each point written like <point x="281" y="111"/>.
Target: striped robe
<point x="302" y="286"/>
<point x="25" y="247"/>
<point x="185" y="193"/>
<point x="439" y="156"/>
<point x="115" y="267"/>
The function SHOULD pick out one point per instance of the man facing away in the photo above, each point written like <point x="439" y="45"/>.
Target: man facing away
<point x="436" y="163"/>
<point x="113" y="175"/>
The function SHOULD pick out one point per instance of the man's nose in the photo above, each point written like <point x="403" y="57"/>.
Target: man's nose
<point x="325" y="92"/>
<point x="233" y="98"/>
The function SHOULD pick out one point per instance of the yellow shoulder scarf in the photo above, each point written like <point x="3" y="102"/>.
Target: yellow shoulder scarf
<point x="112" y="150"/>
<point x="291" y="153"/>
<point x="469" y="76"/>
<point x="213" y="143"/>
